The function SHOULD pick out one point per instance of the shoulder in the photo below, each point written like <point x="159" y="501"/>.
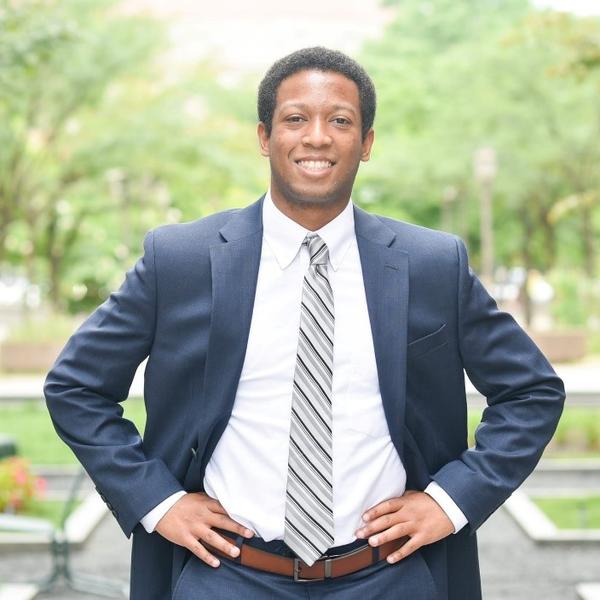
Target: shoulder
<point x="416" y="239"/>
<point x="203" y="231"/>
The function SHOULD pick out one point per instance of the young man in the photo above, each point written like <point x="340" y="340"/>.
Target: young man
<point x="306" y="413"/>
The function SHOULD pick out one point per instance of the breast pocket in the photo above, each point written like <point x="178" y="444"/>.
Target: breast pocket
<point x="428" y="343"/>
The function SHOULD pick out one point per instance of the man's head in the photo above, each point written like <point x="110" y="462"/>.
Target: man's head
<point x="316" y="59"/>
<point x="316" y="110"/>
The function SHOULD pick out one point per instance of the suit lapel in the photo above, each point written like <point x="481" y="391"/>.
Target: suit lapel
<point x="234" y="270"/>
<point x="385" y="275"/>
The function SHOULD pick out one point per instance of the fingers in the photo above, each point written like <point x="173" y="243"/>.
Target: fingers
<point x="406" y="550"/>
<point x="190" y="523"/>
<point x="218" y="542"/>
<point x="228" y="524"/>
<point x="213" y="504"/>
<point x="202" y="553"/>
<point x="213" y="539"/>
<point x="380" y="524"/>
<point x="393" y="533"/>
<point x="385" y="507"/>
<point x="415" y="514"/>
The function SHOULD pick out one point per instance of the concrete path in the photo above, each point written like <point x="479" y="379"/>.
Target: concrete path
<point x="513" y="567"/>
<point x="582" y="382"/>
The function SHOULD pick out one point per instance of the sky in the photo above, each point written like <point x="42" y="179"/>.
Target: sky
<point x="581" y="7"/>
<point x="247" y="35"/>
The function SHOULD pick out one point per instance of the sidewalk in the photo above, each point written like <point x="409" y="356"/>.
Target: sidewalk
<point x="582" y="382"/>
<point x="512" y="566"/>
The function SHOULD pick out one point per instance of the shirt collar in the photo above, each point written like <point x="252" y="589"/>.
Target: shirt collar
<point x="284" y="236"/>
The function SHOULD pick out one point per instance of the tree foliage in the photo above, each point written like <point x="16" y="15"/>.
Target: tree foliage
<point x="455" y="76"/>
<point x="101" y="138"/>
<point x="100" y="142"/>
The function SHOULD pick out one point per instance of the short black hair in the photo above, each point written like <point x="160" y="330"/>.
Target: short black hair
<point x="320" y="59"/>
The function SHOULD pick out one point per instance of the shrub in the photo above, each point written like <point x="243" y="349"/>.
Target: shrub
<point x="18" y="485"/>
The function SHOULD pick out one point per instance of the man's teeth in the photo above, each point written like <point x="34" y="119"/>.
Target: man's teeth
<point x="315" y="164"/>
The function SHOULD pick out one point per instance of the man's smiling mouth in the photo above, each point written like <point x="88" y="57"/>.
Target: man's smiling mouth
<point x="315" y="165"/>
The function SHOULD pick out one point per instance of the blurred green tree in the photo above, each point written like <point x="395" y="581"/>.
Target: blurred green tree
<point x="455" y="76"/>
<point x="101" y="141"/>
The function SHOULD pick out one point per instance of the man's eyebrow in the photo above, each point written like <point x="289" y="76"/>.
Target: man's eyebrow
<point x="304" y="106"/>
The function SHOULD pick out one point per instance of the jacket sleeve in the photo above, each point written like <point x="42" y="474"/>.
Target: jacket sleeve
<point x="524" y="396"/>
<point x="90" y="379"/>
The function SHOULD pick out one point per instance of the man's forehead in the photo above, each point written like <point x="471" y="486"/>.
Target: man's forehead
<point x="306" y="81"/>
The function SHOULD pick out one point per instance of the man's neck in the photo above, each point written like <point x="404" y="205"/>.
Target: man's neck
<point x="310" y="216"/>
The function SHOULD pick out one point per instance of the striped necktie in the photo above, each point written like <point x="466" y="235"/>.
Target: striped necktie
<point x="309" y="493"/>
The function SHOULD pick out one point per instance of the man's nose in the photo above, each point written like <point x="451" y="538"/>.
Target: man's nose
<point x="316" y="134"/>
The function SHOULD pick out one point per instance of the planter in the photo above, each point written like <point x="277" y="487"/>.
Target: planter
<point x="28" y="356"/>
<point x="561" y="346"/>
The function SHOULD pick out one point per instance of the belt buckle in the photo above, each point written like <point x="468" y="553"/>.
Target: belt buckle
<point x="297" y="572"/>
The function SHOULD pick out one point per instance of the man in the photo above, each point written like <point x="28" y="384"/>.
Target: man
<point x="304" y="382"/>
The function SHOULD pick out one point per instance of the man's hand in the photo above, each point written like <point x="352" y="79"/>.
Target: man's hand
<point x="191" y="519"/>
<point x="415" y="514"/>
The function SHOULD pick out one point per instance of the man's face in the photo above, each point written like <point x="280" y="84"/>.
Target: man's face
<point x="315" y="145"/>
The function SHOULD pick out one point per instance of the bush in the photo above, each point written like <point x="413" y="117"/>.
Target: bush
<point x="18" y="485"/>
<point x="54" y="328"/>
<point x="577" y="299"/>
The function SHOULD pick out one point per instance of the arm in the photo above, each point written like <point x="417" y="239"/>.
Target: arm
<point x="90" y="379"/>
<point x="524" y="395"/>
<point x="525" y="399"/>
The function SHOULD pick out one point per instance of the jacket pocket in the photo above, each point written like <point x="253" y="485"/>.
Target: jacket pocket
<point x="429" y="342"/>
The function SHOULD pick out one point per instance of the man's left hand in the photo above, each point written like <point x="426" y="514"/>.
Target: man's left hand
<point x="414" y="514"/>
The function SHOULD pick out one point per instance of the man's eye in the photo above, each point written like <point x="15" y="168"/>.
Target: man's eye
<point x="294" y="119"/>
<point x="342" y="121"/>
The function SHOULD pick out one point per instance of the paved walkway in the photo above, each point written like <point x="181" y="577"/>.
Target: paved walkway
<point x="582" y="382"/>
<point x="512" y="566"/>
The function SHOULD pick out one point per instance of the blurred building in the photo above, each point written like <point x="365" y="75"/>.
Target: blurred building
<point x="249" y="36"/>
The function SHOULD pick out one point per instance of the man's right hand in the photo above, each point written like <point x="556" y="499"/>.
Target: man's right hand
<point x="190" y="521"/>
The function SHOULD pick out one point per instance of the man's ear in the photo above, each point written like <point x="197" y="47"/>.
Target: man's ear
<point x="367" y="144"/>
<point x="263" y="138"/>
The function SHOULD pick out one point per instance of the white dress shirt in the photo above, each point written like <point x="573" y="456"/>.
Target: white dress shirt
<point x="247" y="472"/>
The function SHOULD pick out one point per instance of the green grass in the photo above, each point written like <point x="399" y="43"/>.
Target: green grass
<point x="48" y="509"/>
<point x="52" y="510"/>
<point x="29" y="423"/>
<point x="577" y="434"/>
<point x="572" y="513"/>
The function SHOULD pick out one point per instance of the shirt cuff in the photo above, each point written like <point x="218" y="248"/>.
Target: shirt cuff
<point x="447" y="505"/>
<point x="150" y="521"/>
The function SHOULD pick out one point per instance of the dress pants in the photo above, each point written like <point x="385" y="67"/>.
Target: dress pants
<point x="409" y="579"/>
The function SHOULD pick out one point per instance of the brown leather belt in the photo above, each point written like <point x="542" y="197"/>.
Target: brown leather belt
<point x="324" y="568"/>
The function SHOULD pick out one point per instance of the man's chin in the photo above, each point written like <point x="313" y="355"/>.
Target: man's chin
<point x="308" y="198"/>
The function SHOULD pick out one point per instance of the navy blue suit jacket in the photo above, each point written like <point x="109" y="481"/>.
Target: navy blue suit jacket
<point x="187" y="306"/>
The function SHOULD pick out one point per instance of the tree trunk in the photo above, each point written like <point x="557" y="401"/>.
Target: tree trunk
<point x="549" y="234"/>
<point x="528" y="263"/>
<point x="54" y="292"/>
<point x="587" y="239"/>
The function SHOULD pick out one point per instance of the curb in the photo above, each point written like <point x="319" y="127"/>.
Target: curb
<point x="588" y="591"/>
<point x="18" y="591"/>
<point x="78" y="528"/>
<point x="539" y="527"/>
<point x="568" y="464"/>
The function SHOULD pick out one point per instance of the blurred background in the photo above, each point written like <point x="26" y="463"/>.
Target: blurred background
<point x="117" y="116"/>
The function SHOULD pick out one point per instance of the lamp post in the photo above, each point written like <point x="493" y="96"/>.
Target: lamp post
<point x="485" y="168"/>
<point x="449" y="197"/>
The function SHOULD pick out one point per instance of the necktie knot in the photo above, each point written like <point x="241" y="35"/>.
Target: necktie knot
<point x="317" y="249"/>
